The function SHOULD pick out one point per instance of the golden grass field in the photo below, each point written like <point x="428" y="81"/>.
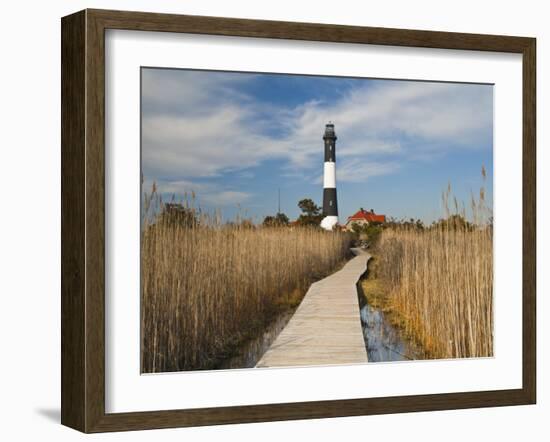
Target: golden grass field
<point x="438" y="282"/>
<point x="207" y="288"/>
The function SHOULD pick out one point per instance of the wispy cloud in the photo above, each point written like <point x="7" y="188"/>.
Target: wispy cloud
<point x="198" y="124"/>
<point x="356" y="170"/>
<point x="393" y="117"/>
<point x="203" y="193"/>
<point x="195" y="146"/>
<point x="176" y="92"/>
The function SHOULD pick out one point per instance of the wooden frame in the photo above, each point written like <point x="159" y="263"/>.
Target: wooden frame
<point x="83" y="216"/>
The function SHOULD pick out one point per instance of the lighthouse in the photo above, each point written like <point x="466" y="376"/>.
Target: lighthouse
<point x="330" y="205"/>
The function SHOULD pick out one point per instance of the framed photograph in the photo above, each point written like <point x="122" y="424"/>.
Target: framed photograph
<point x="270" y="220"/>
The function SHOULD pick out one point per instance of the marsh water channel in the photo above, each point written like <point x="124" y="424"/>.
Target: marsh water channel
<point x="383" y="341"/>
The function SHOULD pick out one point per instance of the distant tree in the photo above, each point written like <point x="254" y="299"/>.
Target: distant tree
<point x="175" y="213"/>
<point x="371" y="230"/>
<point x="357" y="228"/>
<point x="269" y="221"/>
<point x="279" y="220"/>
<point x="308" y="207"/>
<point x="311" y="213"/>
<point x="282" y="219"/>
<point x="247" y="224"/>
<point x="411" y="223"/>
<point x="454" y="222"/>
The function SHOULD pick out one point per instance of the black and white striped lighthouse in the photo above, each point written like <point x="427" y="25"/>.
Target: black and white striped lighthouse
<point x="330" y="204"/>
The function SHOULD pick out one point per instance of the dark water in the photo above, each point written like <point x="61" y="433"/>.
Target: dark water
<point x="384" y="342"/>
<point x="252" y="351"/>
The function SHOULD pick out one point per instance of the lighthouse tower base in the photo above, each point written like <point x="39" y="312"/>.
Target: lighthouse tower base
<point x="328" y="222"/>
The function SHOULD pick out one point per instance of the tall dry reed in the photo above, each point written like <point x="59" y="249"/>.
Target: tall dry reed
<point x="441" y="283"/>
<point x="440" y="280"/>
<point x="207" y="286"/>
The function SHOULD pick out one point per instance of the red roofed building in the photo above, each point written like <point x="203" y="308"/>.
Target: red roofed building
<point x="363" y="217"/>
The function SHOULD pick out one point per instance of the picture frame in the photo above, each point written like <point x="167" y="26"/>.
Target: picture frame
<point x="83" y="220"/>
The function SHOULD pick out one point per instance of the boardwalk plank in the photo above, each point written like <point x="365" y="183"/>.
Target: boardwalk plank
<point x="326" y="327"/>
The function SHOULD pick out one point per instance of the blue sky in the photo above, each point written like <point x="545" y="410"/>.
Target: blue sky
<point x="234" y="139"/>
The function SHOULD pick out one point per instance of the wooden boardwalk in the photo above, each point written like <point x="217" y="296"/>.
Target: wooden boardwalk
<point x="326" y="327"/>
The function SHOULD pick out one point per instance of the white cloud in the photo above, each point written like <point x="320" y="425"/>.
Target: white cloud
<point x="198" y="124"/>
<point x="174" y="91"/>
<point x="199" y="193"/>
<point x="372" y="121"/>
